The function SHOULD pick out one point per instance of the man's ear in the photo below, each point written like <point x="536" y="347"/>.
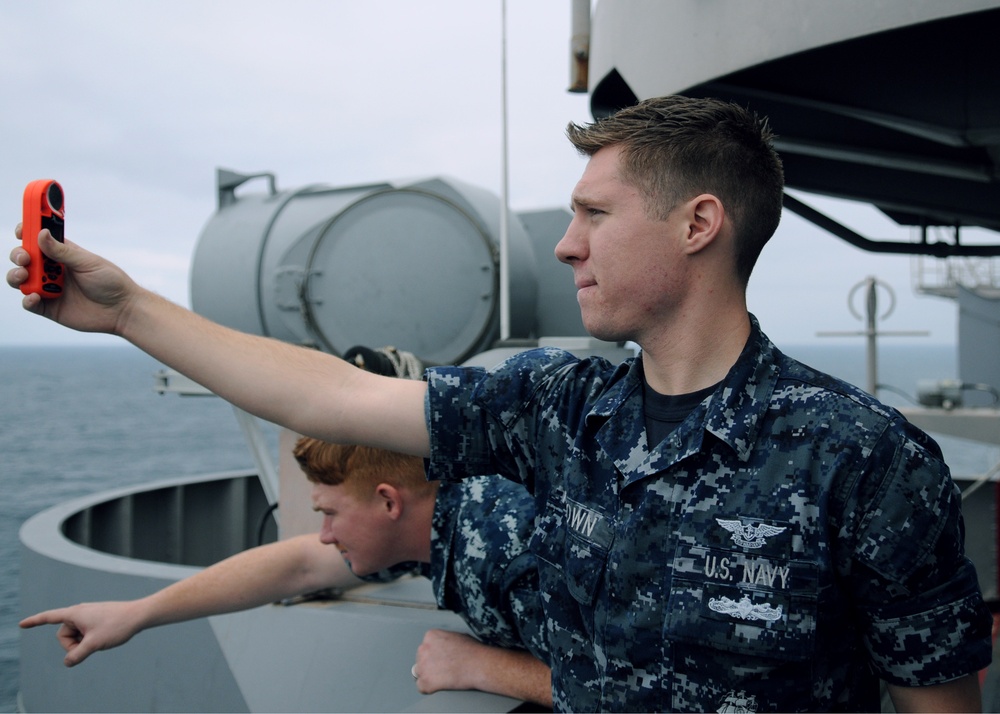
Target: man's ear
<point x="706" y="216"/>
<point x="390" y="500"/>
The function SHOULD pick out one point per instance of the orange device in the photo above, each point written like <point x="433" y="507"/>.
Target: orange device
<point x="43" y="208"/>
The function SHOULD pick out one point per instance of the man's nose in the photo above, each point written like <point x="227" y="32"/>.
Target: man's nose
<point x="326" y="532"/>
<point x="569" y="247"/>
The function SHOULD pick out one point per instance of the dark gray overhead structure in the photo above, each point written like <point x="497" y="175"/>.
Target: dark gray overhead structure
<point x="894" y="104"/>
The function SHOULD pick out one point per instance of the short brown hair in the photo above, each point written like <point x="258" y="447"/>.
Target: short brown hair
<point x="674" y="148"/>
<point x="360" y="468"/>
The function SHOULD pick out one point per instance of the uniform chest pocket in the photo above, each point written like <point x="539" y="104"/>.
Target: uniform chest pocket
<point x="575" y="539"/>
<point x="735" y="602"/>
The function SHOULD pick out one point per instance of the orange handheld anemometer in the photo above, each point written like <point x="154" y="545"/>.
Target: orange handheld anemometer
<point x="43" y="208"/>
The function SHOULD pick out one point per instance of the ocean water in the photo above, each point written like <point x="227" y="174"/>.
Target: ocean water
<point x="80" y="420"/>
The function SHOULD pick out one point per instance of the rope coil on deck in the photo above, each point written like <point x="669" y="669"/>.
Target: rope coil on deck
<point x="387" y="361"/>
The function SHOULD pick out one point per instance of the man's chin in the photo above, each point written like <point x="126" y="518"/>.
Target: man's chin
<point x="603" y="332"/>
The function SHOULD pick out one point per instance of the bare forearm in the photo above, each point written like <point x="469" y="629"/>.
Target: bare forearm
<point x="249" y="579"/>
<point x="960" y="695"/>
<point x="514" y="674"/>
<point x="260" y="375"/>
<point x="306" y="390"/>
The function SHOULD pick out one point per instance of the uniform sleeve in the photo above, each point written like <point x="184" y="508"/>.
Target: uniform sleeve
<point x="917" y="592"/>
<point x="456" y="424"/>
<point x="524" y="600"/>
<point x="483" y="422"/>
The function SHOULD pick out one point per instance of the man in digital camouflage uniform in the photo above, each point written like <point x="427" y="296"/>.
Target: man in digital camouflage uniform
<point x="485" y="575"/>
<point x="791" y="556"/>
<point x="719" y="527"/>
<point x="743" y="532"/>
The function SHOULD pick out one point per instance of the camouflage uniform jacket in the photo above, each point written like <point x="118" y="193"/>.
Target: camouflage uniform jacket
<point x="481" y="566"/>
<point x="789" y="543"/>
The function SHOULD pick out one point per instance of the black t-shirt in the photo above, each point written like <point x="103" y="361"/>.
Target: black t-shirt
<point x="664" y="412"/>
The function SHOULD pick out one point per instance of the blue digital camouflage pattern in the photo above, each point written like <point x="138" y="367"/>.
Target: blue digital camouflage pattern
<point x="789" y="544"/>
<point x="481" y="566"/>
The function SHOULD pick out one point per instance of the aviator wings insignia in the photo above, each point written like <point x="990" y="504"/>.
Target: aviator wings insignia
<point x="747" y="535"/>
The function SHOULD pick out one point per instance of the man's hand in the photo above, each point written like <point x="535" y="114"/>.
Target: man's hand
<point x="446" y="660"/>
<point x="96" y="293"/>
<point x="449" y="660"/>
<point x="89" y="627"/>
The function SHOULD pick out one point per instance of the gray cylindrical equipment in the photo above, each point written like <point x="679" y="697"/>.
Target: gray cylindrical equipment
<point x="415" y="266"/>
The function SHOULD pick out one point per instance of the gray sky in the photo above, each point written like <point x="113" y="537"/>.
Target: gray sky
<point x="133" y="105"/>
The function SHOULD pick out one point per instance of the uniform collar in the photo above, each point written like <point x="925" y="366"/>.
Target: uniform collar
<point x="733" y="414"/>
<point x="737" y="408"/>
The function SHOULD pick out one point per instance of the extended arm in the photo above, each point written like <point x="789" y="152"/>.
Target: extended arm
<point x="308" y="391"/>
<point x="248" y="579"/>
<point x="450" y="660"/>
<point x="960" y="695"/>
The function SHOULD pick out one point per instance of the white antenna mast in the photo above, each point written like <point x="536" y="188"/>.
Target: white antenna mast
<point x="504" y="199"/>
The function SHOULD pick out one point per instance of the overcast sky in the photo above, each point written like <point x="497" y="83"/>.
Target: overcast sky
<point x="133" y="105"/>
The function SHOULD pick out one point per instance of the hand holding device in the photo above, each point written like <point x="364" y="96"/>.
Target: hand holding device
<point x="43" y="208"/>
